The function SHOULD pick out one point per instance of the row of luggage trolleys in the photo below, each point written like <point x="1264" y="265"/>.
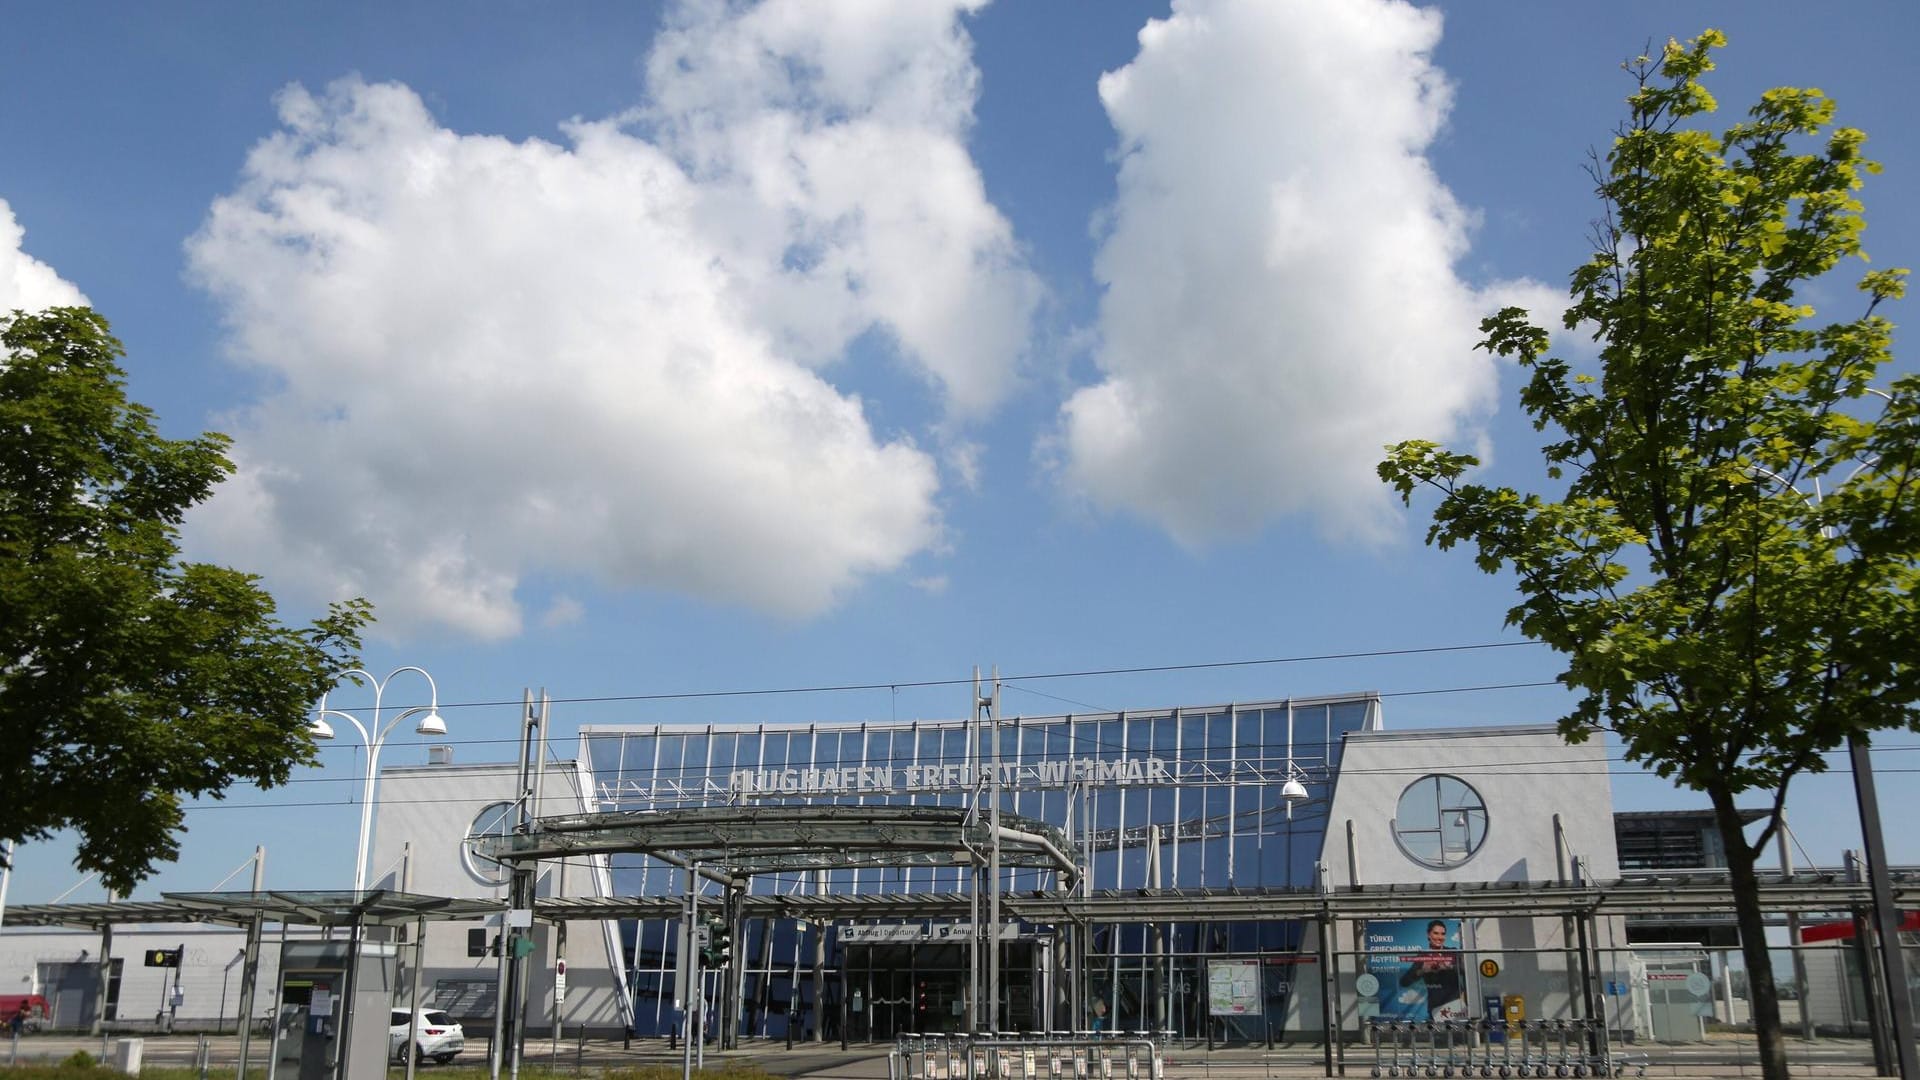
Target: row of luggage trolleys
<point x="1037" y="1056"/>
<point x="1464" y="1048"/>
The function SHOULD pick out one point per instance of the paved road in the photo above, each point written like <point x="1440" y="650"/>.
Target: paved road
<point x="829" y="1062"/>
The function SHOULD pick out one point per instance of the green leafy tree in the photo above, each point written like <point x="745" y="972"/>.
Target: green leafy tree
<point x="129" y="680"/>
<point x="1729" y="570"/>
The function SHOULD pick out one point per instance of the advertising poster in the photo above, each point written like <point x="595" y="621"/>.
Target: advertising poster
<point x="1418" y="970"/>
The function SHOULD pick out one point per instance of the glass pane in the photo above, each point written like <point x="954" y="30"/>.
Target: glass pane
<point x="1419" y="806"/>
<point x="1440" y="821"/>
<point x="1424" y="846"/>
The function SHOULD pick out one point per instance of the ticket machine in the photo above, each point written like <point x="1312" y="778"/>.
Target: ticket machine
<point x="325" y="1015"/>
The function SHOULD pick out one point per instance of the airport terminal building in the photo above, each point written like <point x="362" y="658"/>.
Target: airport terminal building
<point x="1263" y="871"/>
<point x="1207" y="805"/>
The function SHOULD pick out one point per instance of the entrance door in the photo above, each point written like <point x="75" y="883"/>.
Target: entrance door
<point x="889" y="1002"/>
<point x="73" y="994"/>
<point x="1677" y="997"/>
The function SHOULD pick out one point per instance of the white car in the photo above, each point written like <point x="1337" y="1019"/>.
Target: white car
<point x="439" y="1036"/>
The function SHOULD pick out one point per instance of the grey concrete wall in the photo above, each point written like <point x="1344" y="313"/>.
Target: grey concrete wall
<point x="1525" y="777"/>
<point x="422" y="820"/>
<point x="210" y="970"/>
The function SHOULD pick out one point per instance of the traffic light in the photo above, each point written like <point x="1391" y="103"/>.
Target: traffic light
<point x="163" y="958"/>
<point x="718" y="949"/>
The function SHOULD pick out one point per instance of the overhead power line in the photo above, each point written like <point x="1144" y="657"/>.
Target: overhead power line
<point x="1409" y="771"/>
<point x="916" y="684"/>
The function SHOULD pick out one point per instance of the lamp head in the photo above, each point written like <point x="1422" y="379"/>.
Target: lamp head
<point x="1293" y="790"/>
<point x="320" y="729"/>
<point x="431" y="724"/>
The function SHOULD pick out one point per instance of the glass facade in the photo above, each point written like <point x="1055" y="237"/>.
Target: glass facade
<point x="1171" y="798"/>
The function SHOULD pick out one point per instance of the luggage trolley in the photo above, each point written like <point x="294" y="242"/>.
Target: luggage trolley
<point x="1548" y="1060"/>
<point x="1605" y="1063"/>
<point x="1404" y="1040"/>
<point x="1390" y="1032"/>
<point x="1480" y="1037"/>
<point x="1465" y="1029"/>
<point x="1544" y="1060"/>
<point x="1414" y="1060"/>
<point x="1561" y="1056"/>
<point x="1598" y="1048"/>
<point x="1505" y="1068"/>
<point x="1522" y="1030"/>
<point x="1450" y="1067"/>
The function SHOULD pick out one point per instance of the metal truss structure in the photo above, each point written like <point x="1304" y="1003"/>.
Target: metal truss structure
<point x="740" y="842"/>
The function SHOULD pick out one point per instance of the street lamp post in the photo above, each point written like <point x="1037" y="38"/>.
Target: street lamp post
<point x="374" y="736"/>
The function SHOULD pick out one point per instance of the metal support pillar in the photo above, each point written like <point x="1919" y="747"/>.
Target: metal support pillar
<point x="1793" y="937"/>
<point x="732" y="976"/>
<point x="1584" y="921"/>
<point x="992" y="706"/>
<point x="249" y="978"/>
<point x="104" y="971"/>
<point x="413" y="995"/>
<point x="688" y="984"/>
<point x="1869" y="976"/>
<point x="820" y="972"/>
<point x="1329" y="989"/>
<point x="1886" y="917"/>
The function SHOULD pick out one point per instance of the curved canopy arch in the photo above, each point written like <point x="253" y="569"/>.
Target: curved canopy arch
<point x="741" y="842"/>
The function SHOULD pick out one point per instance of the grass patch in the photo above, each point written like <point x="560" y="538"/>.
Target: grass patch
<point x="727" y="1071"/>
<point x="83" y="1066"/>
<point x="73" y="1069"/>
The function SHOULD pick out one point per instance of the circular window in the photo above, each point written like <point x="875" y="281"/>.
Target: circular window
<point x="1441" y="821"/>
<point x="496" y="819"/>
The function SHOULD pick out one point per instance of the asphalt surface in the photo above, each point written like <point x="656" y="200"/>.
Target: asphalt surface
<point x="826" y="1061"/>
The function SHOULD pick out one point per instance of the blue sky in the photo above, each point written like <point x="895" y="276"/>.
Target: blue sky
<point x="640" y="351"/>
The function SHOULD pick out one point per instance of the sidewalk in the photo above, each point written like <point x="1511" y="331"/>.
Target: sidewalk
<point x="826" y="1061"/>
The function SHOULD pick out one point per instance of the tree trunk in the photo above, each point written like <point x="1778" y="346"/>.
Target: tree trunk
<point x="1761" y="994"/>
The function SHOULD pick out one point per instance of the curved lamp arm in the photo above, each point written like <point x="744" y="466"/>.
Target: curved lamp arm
<point x="373" y="739"/>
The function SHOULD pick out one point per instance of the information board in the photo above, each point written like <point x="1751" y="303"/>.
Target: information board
<point x="1233" y="987"/>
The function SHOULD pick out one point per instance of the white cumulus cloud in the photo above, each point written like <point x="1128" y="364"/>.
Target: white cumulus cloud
<point x="609" y="359"/>
<point x="1280" y="293"/>
<point x="827" y="137"/>
<point x="26" y="283"/>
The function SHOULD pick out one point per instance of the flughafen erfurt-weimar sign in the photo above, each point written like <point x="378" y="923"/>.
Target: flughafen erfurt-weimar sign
<point x="899" y="779"/>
